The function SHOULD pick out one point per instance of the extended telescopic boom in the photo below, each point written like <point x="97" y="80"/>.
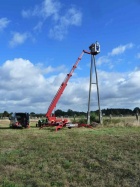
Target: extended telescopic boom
<point x="63" y="86"/>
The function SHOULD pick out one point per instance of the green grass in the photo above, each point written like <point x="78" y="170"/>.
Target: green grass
<point x="80" y="157"/>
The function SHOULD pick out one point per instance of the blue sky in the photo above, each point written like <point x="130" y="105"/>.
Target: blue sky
<point x="40" y="40"/>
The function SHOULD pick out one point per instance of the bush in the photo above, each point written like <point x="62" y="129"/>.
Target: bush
<point x="94" y="117"/>
<point x="82" y="120"/>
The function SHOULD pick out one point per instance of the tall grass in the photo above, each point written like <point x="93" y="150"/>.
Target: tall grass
<point x="79" y="157"/>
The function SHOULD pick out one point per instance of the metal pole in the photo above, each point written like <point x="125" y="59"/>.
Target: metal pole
<point x="91" y="70"/>
<point x="100" y="118"/>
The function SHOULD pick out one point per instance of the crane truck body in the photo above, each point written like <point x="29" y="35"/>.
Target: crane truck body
<point x="51" y="119"/>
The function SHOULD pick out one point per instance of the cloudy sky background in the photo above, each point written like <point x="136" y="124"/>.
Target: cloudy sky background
<point x="41" y="40"/>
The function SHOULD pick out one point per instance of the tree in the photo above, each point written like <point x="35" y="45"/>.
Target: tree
<point x="93" y="117"/>
<point x="59" y="112"/>
<point x="136" y="110"/>
<point x="70" y="112"/>
<point x="5" y="114"/>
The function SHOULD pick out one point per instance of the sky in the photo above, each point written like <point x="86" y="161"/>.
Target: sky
<point x="40" y="41"/>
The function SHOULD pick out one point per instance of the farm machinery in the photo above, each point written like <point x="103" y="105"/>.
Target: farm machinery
<point x="52" y="120"/>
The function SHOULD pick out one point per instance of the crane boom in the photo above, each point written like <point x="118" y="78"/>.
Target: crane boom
<point x="63" y="86"/>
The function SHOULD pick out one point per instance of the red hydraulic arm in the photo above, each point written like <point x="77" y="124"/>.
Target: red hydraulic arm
<point x="63" y="86"/>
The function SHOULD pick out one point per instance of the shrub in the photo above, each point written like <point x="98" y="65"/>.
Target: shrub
<point x="94" y="117"/>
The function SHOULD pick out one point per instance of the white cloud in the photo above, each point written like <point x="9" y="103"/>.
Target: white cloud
<point x="138" y="56"/>
<point x="38" y="27"/>
<point x="4" y="23"/>
<point x="109" y="58"/>
<point x="60" y="30"/>
<point x="25" y="87"/>
<point x="60" y="21"/>
<point x="26" y="13"/>
<point x="109" y="22"/>
<point x="46" y="9"/>
<point x="120" y="89"/>
<point x="72" y="17"/>
<point x="103" y="59"/>
<point x="50" y="8"/>
<point x="18" y="39"/>
<point x="121" y="49"/>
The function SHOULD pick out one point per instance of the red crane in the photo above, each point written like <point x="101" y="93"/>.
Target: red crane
<point x="60" y="92"/>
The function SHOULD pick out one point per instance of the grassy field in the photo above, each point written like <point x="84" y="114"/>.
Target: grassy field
<point x="80" y="157"/>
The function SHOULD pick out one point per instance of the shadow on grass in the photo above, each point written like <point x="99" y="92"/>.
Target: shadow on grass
<point x="33" y="127"/>
<point x="4" y="128"/>
<point x="17" y="128"/>
<point x="42" y="128"/>
<point x="48" y="129"/>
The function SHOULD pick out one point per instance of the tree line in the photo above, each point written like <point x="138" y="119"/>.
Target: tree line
<point x="71" y="113"/>
<point x="105" y="112"/>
